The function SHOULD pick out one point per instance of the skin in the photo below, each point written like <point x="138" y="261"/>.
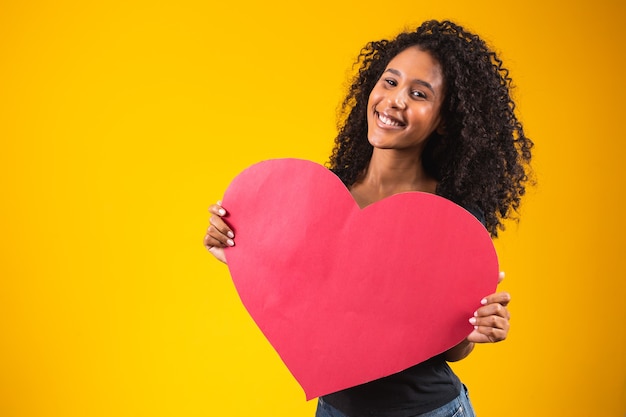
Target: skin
<point x="403" y="111"/>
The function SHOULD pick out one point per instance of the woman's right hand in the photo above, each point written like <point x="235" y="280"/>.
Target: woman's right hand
<point x="219" y="235"/>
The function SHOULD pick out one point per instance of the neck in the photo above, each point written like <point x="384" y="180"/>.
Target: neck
<point x="391" y="172"/>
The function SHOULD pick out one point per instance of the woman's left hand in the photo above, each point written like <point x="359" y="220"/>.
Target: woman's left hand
<point x="491" y="321"/>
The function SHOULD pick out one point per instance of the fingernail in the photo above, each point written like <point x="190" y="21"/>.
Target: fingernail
<point x="230" y="234"/>
<point x="483" y="301"/>
<point x="229" y="242"/>
<point x="472" y="320"/>
<point x="501" y="274"/>
<point x="475" y="313"/>
<point x="221" y="211"/>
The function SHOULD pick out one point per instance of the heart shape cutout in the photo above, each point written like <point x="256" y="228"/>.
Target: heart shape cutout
<point x="347" y="295"/>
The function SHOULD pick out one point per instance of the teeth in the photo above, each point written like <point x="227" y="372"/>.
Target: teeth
<point x="387" y="120"/>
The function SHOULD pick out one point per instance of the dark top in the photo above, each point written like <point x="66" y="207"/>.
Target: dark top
<point x="419" y="389"/>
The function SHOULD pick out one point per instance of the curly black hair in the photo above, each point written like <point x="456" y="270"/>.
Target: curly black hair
<point x="481" y="160"/>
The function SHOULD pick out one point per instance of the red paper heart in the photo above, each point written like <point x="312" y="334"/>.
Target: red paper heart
<point x="348" y="295"/>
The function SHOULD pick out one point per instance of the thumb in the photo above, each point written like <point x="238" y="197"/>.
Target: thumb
<point x="218" y="253"/>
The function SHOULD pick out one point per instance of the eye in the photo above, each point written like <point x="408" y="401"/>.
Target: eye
<point x="390" y="82"/>
<point x="418" y="94"/>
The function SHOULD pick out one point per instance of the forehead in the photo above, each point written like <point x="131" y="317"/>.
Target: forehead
<point x="415" y="63"/>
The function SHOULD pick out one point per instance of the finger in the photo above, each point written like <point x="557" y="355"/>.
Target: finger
<point x="210" y="241"/>
<point x="493" y="322"/>
<point x="218" y="253"/>
<point x="495" y="309"/>
<point x="214" y="237"/>
<point x="500" y="277"/>
<point x="217" y="209"/>
<point x="503" y="298"/>
<point x="220" y="225"/>
<point x="489" y="330"/>
<point x="487" y="335"/>
<point x="218" y="212"/>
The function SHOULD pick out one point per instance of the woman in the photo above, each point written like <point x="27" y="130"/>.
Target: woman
<point x="427" y="111"/>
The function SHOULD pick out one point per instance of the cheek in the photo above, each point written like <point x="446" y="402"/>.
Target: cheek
<point x="425" y="115"/>
<point x="371" y="99"/>
<point x="371" y="103"/>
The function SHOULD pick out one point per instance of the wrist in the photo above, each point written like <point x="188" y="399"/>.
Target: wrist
<point x="460" y="351"/>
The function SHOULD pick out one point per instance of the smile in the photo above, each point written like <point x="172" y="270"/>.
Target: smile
<point x="388" y="121"/>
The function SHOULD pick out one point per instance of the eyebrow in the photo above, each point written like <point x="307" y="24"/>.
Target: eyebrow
<point x="418" y="81"/>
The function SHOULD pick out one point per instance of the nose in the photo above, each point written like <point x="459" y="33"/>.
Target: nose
<point x="397" y="99"/>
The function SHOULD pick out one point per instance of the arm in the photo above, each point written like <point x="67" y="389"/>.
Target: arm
<point x="491" y="325"/>
<point x="460" y="351"/>
<point x="219" y="235"/>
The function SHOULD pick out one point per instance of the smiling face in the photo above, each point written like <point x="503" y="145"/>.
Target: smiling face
<point x="404" y="106"/>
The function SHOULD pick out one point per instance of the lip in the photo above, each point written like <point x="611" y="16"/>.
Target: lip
<point x="386" y="121"/>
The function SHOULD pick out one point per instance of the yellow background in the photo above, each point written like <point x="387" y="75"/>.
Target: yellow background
<point x="120" y="122"/>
